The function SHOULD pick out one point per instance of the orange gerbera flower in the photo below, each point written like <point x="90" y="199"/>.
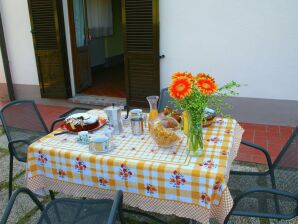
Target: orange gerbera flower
<point x="204" y="76"/>
<point x="182" y="74"/>
<point x="206" y="84"/>
<point x="180" y="88"/>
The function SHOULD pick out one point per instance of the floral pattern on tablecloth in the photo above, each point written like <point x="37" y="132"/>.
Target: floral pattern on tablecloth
<point x="103" y="181"/>
<point x="150" y="189"/>
<point x="80" y="165"/>
<point x="125" y="172"/>
<point x="42" y="158"/>
<point x="177" y="179"/>
<point x="61" y="173"/>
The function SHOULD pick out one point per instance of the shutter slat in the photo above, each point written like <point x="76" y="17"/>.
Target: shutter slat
<point x="142" y="50"/>
<point x="48" y="51"/>
<point x="42" y="14"/>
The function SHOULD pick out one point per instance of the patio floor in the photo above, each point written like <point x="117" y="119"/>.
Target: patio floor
<point x="271" y="137"/>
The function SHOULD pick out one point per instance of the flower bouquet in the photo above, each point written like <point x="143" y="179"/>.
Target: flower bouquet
<point x="193" y="94"/>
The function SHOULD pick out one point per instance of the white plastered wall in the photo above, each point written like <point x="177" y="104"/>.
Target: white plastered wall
<point x="251" y="41"/>
<point x="2" y="74"/>
<point x="16" y="25"/>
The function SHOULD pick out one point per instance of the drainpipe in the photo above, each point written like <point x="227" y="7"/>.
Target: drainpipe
<point x="6" y="62"/>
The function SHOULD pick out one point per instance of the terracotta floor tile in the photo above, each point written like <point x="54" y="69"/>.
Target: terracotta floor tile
<point x="273" y="129"/>
<point x="278" y="141"/>
<point x="286" y="131"/>
<point x="261" y="133"/>
<point x="244" y="157"/>
<point x="275" y="148"/>
<point x="273" y="135"/>
<point x="248" y="136"/>
<point x="260" y="127"/>
<point x="261" y="141"/>
<point x="247" y="125"/>
<point x="51" y="113"/>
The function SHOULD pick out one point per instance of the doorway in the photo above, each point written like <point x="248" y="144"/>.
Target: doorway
<point x="97" y="47"/>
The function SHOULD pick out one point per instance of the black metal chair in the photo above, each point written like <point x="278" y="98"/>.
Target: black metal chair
<point x="23" y="125"/>
<point x="166" y="100"/>
<point x="270" y="194"/>
<point x="66" y="210"/>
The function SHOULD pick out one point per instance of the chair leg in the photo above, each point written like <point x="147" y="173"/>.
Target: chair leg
<point x="272" y="176"/>
<point x="52" y="195"/>
<point x="121" y="217"/>
<point x="10" y="176"/>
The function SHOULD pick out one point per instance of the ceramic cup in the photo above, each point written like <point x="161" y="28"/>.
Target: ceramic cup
<point x="99" y="144"/>
<point x="136" y="113"/>
<point x="83" y="137"/>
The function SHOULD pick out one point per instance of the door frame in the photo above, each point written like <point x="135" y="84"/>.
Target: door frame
<point x="73" y="43"/>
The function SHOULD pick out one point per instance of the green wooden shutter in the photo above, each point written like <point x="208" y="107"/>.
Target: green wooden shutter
<point x="141" y="47"/>
<point x="50" y="47"/>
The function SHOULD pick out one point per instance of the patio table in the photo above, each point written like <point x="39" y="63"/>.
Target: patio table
<point x="165" y="181"/>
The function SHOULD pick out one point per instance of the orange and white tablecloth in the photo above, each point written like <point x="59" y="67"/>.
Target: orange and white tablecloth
<point x="166" y="181"/>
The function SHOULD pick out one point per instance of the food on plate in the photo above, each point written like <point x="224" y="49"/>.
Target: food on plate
<point x="172" y="113"/>
<point x="163" y="133"/>
<point x="209" y="115"/>
<point x="168" y="122"/>
<point x="83" y="122"/>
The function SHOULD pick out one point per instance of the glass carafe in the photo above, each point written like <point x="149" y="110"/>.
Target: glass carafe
<point x="153" y="108"/>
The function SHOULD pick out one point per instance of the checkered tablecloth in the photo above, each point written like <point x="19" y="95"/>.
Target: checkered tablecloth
<point x="166" y="181"/>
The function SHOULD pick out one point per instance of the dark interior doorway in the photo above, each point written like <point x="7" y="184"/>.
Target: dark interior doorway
<point x="97" y="28"/>
<point x="108" y="81"/>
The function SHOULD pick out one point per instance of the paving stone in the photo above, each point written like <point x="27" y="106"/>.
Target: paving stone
<point x="3" y="201"/>
<point x="23" y="205"/>
<point x="239" y="166"/>
<point x="292" y="221"/>
<point x="35" y="217"/>
<point x="3" y="142"/>
<point x="1" y="130"/>
<point x="3" y="152"/>
<point x="4" y="167"/>
<point x="21" y="181"/>
<point x="246" y="220"/>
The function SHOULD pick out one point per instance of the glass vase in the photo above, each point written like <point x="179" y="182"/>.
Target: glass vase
<point x="195" y="133"/>
<point x="152" y="100"/>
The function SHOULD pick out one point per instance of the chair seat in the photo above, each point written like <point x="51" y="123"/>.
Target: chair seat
<point x="259" y="202"/>
<point x="239" y="183"/>
<point x="66" y="211"/>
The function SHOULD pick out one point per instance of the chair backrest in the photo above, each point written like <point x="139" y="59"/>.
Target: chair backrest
<point x="22" y="120"/>
<point x="166" y="100"/>
<point x="286" y="165"/>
